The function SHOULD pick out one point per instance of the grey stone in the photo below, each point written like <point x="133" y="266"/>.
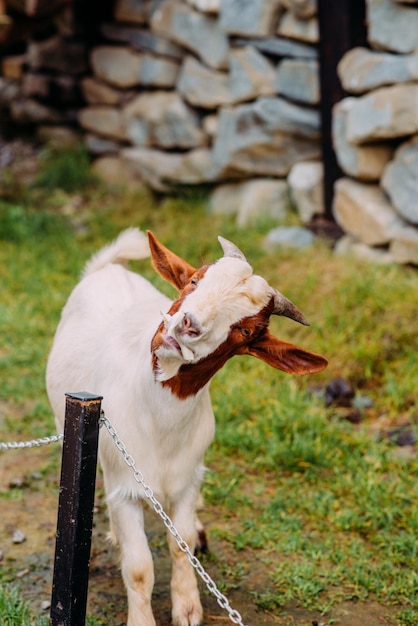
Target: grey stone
<point x="162" y="119"/>
<point x="98" y="145"/>
<point x="282" y="48"/>
<point x="404" y="245"/>
<point x="300" y="29"/>
<point x="134" y="11"/>
<point x="261" y="199"/>
<point x="210" y="125"/>
<point x="365" y="162"/>
<point x="18" y="536"/>
<point x="122" y="67"/>
<point x="104" y="121"/>
<point x="157" y="72"/>
<point x="143" y="40"/>
<point x="306" y="189"/>
<point x="250" y="18"/>
<point x="350" y="246"/>
<point x="117" y="65"/>
<point x="251" y="75"/>
<point x="298" y="80"/>
<point x="251" y="200"/>
<point x="163" y="170"/>
<point x="302" y="9"/>
<point x="206" y="6"/>
<point x="400" y="180"/>
<point x="386" y="113"/>
<point x="151" y="166"/>
<point x="30" y="111"/>
<point x="202" y="86"/>
<point x="97" y="92"/>
<point x="58" y="136"/>
<point x="392" y="26"/>
<point x="278" y="115"/>
<point x="364" y="212"/>
<point x="198" y="166"/>
<point x="115" y="170"/>
<point x="192" y="30"/>
<point x="293" y="237"/>
<point x="266" y="137"/>
<point x="362" y="70"/>
<point x="9" y="91"/>
<point x="225" y="199"/>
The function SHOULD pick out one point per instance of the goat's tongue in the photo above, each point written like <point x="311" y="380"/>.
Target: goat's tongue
<point x="170" y="340"/>
<point x="186" y="353"/>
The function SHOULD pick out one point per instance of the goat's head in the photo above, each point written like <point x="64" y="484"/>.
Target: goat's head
<point x="223" y="309"/>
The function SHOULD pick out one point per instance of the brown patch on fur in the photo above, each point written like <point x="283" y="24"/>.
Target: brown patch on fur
<point x="189" y="288"/>
<point x="194" y="376"/>
<point x="249" y="336"/>
<point x="170" y="266"/>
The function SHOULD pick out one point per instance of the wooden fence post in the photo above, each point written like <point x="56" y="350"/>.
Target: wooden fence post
<point x="342" y="26"/>
<point x="75" y="510"/>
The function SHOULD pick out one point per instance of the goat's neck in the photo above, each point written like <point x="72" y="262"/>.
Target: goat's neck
<point x="192" y="377"/>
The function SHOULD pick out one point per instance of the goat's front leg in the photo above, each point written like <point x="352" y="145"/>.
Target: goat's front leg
<point x="186" y="607"/>
<point x="127" y="526"/>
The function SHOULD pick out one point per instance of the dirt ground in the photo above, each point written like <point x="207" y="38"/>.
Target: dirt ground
<point x="31" y="475"/>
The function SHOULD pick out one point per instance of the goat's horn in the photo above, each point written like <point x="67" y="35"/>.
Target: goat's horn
<point x="283" y="306"/>
<point x="230" y="249"/>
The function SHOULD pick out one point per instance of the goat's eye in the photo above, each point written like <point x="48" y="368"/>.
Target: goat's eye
<point x="246" y="332"/>
<point x="194" y="281"/>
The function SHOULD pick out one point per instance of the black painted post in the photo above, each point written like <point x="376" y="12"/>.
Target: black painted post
<point x="342" y="26"/>
<point x="75" y="510"/>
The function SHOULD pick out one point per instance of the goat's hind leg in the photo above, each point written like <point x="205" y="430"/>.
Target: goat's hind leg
<point x="127" y="525"/>
<point x="201" y="545"/>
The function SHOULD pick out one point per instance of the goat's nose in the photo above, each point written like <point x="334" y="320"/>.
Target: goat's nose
<point x="189" y="326"/>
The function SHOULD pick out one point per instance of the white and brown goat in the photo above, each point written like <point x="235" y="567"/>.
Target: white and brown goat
<point x="152" y="360"/>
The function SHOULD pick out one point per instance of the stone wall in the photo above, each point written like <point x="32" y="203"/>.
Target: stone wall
<point x="185" y="92"/>
<point x="226" y="92"/>
<point x="375" y="134"/>
<point x="43" y="58"/>
<point x="207" y="91"/>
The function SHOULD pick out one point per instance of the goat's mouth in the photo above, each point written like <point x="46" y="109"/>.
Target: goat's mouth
<point x="169" y="342"/>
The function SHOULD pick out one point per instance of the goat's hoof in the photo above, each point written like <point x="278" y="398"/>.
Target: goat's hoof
<point x="188" y="615"/>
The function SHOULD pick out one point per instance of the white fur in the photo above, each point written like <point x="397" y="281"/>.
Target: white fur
<point x="102" y="345"/>
<point x="227" y="293"/>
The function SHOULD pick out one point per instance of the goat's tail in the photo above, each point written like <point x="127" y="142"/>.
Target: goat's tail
<point x="130" y="244"/>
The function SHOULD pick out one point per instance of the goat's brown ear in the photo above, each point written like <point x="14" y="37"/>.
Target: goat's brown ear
<point x="169" y="265"/>
<point x="284" y="356"/>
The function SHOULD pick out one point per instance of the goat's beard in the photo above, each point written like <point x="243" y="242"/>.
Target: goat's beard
<point x="168" y="355"/>
<point x="167" y="371"/>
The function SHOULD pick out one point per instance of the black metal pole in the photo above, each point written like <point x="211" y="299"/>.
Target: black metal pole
<point x="75" y="510"/>
<point x="342" y="25"/>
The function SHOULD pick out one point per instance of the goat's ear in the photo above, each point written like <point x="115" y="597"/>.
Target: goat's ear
<point x="284" y="356"/>
<point x="169" y="265"/>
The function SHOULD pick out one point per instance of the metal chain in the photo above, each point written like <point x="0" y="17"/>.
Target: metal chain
<point x="33" y="443"/>
<point x="234" y="615"/>
<point x="222" y="600"/>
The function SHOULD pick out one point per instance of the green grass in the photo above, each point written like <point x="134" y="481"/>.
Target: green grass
<point x="15" y="612"/>
<point x="329" y="508"/>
